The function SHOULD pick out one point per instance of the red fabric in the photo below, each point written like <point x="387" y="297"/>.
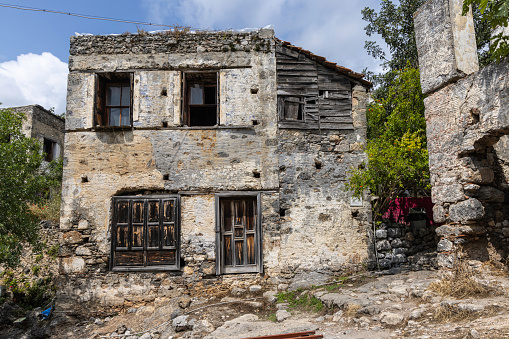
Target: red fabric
<point x="399" y="208"/>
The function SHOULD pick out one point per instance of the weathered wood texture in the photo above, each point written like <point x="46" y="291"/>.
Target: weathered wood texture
<point x="326" y="95"/>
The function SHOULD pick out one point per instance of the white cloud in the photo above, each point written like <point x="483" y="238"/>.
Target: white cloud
<point x="330" y="28"/>
<point x="34" y="79"/>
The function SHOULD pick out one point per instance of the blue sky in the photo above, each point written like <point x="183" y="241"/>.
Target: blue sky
<point x="34" y="45"/>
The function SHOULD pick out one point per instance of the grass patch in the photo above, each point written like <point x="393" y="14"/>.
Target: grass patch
<point x="49" y="209"/>
<point x="461" y="283"/>
<point x="272" y="317"/>
<point x="301" y="299"/>
<point x="350" y="310"/>
<point x="448" y="313"/>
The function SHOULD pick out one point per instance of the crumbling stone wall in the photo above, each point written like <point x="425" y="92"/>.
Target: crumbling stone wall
<point x="41" y="123"/>
<point x="158" y="155"/>
<point x="466" y="115"/>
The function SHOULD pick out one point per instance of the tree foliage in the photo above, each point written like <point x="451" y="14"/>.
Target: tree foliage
<point x="493" y="14"/>
<point x="396" y="148"/>
<point x="22" y="181"/>
<point x="395" y="24"/>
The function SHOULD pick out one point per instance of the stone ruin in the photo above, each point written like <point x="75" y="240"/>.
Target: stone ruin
<point x="467" y="126"/>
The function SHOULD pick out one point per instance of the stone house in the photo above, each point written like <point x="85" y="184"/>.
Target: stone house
<point x="467" y="112"/>
<point x="203" y="155"/>
<point x="44" y="126"/>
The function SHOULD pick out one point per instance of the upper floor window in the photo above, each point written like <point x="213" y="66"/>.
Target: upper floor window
<point x="291" y="108"/>
<point x="113" y="99"/>
<point x="200" y="99"/>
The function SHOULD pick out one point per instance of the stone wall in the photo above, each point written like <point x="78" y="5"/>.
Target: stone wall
<point x="399" y="244"/>
<point x="41" y="123"/>
<point x="466" y="117"/>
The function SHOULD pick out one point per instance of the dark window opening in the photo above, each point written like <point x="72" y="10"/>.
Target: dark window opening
<point x="166" y="177"/>
<point x="200" y="99"/>
<point x="239" y="235"/>
<point x="51" y="150"/>
<point x="256" y="174"/>
<point x="282" y="212"/>
<point x="113" y="99"/>
<point x="145" y="233"/>
<point x="291" y="108"/>
<point x="84" y="179"/>
<point x="318" y="164"/>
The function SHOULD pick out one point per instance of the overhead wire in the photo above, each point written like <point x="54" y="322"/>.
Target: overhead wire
<point x="85" y="16"/>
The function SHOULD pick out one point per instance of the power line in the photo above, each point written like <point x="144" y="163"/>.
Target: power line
<point x="93" y="17"/>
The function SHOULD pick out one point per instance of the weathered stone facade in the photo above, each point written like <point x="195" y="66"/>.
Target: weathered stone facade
<point x="43" y="125"/>
<point x="467" y="118"/>
<point x="294" y="174"/>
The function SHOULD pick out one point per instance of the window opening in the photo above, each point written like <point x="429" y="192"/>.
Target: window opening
<point x="113" y="99"/>
<point x="145" y="233"/>
<point x="51" y="150"/>
<point x="239" y="243"/>
<point x="200" y="99"/>
<point x="291" y="108"/>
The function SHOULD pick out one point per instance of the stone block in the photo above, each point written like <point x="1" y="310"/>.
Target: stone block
<point x="381" y="234"/>
<point x="447" y="193"/>
<point x="445" y="43"/>
<point x="439" y="214"/>
<point x="394" y="232"/>
<point x="471" y="209"/>
<point x="82" y="224"/>
<point x="483" y="175"/>
<point x="488" y="193"/>
<point x="72" y="237"/>
<point x="383" y="245"/>
<point x="72" y="265"/>
<point x="396" y="243"/>
<point x="444" y="245"/>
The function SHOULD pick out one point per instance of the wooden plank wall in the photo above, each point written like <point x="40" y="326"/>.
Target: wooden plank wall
<point x="327" y="94"/>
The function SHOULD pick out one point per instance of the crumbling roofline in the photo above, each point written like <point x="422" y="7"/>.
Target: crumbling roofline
<point x="323" y="61"/>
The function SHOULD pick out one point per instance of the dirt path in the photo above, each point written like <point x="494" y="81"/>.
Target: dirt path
<point x="391" y="306"/>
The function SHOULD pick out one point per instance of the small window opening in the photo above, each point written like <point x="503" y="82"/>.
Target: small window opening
<point x="164" y="92"/>
<point x="84" y="179"/>
<point x="254" y="90"/>
<point x="201" y="107"/>
<point x="318" y="164"/>
<point x="166" y="177"/>
<point x="282" y="212"/>
<point x="255" y="122"/>
<point x="51" y="150"/>
<point x="291" y="108"/>
<point x="256" y="174"/>
<point x="113" y="99"/>
<point x="323" y="94"/>
<point x="165" y="124"/>
<point x="355" y="214"/>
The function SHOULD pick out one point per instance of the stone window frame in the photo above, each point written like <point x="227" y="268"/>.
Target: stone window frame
<point x="144" y="248"/>
<point x="257" y="267"/>
<point x="104" y="80"/>
<point x="187" y="80"/>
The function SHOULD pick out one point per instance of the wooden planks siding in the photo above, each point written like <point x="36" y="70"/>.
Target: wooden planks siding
<point x="327" y="95"/>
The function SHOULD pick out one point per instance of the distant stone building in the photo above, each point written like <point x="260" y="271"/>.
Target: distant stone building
<point x="44" y="126"/>
<point x="467" y="120"/>
<point x="204" y="154"/>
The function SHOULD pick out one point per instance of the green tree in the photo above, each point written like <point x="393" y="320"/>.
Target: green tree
<point x="395" y="24"/>
<point x="493" y="13"/>
<point x="21" y="183"/>
<point x="396" y="147"/>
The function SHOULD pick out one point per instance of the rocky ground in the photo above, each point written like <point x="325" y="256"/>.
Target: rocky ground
<point x="369" y="305"/>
